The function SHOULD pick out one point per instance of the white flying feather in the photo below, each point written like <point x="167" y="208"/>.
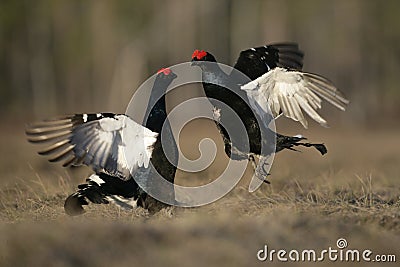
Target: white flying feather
<point x="113" y="144"/>
<point x="136" y="142"/>
<point x="291" y="92"/>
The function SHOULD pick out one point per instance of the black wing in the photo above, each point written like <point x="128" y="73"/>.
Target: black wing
<point x="254" y="62"/>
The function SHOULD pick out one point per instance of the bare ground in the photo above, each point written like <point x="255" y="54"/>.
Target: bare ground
<point x="352" y="192"/>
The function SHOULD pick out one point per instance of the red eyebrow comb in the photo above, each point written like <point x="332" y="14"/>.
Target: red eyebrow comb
<point x="199" y="54"/>
<point x="166" y="71"/>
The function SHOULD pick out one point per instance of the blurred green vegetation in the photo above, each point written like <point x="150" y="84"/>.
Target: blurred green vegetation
<point x="80" y="56"/>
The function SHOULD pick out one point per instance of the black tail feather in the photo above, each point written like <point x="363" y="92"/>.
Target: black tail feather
<point x="90" y="191"/>
<point x="320" y="147"/>
<point x="289" y="142"/>
<point x="73" y="205"/>
<point x="101" y="189"/>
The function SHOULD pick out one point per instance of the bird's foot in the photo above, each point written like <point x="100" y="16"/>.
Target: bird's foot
<point x="260" y="171"/>
<point x="263" y="176"/>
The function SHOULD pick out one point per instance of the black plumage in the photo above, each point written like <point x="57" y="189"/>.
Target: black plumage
<point x="253" y="63"/>
<point x="96" y="140"/>
<point x="156" y="120"/>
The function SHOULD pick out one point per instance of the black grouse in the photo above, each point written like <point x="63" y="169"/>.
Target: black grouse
<point x="119" y="150"/>
<point x="273" y="81"/>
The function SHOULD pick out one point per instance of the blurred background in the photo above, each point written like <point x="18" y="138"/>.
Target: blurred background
<point x="74" y="56"/>
<point x="63" y="57"/>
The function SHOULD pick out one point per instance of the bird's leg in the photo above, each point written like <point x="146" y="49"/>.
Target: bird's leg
<point x="259" y="174"/>
<point x="119" y="211"/>
<point x="264" y="170"/>
<point x="253" y="161"/>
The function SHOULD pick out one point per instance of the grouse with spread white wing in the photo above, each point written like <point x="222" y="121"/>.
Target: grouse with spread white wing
<point x="273" y="81"/>
<point x="119" y="150"/>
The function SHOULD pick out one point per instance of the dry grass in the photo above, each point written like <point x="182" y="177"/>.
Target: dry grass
<point x="352" y="192"/>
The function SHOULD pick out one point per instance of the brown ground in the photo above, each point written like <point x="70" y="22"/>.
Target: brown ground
<point x="352" y="192"/>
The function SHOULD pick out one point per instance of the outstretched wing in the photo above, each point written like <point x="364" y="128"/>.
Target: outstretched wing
<point x="292" y="92"/>
<point x="254" y="62"/>
<point x="109" y="143"/>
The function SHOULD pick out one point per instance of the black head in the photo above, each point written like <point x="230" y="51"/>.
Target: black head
<point x="199" y="56"/>
<point x="164" y="78"/>
<point x="166" y="74"/>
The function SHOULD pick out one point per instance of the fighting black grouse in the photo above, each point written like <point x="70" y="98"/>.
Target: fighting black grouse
<point x="120" y="151"/>
<point x="272" y="84"/>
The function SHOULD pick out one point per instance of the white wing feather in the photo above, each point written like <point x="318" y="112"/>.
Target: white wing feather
<point x="137" y="144"/>
<point x="116" y="145"/>
<point x="291" y="93"/>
